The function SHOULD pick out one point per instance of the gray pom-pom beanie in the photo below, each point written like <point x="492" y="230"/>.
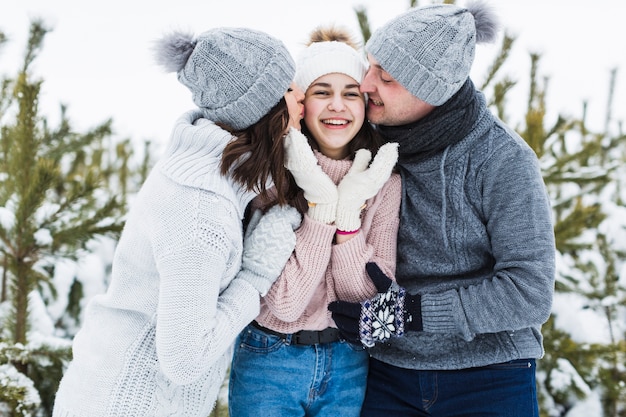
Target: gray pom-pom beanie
<point x="235" y="75"/>
<point x="429" y="50"/>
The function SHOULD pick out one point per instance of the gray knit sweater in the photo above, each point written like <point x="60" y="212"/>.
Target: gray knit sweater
<point x="476" y="241"/>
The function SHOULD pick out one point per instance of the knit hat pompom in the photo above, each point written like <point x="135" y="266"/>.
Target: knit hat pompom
<point x="173" y="50"/>
<point x="330" y="50"/>
<point x="429" y="50"/>
<point x="486" y="21"/>
<point x="235" y="75"/>
<point x="330" y="34"/>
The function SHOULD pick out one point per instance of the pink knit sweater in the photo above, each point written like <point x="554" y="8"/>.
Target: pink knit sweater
<point x="320" y="271"/>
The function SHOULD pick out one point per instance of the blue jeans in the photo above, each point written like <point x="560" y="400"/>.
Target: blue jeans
<point x="503" y="390"/>
<point x="271" y="378"/>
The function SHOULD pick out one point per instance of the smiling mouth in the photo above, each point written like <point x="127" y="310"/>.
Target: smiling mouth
<point x="335" y="122"/>
<point x="376" y="102"/>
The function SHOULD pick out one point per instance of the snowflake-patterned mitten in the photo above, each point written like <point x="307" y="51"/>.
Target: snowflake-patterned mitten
<point x="389" y="313"/>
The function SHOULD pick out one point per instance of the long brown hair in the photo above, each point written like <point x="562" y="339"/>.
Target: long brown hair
<point x="262" y="155"/>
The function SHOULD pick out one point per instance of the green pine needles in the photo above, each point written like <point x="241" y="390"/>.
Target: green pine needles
<point x="60" y="190"/>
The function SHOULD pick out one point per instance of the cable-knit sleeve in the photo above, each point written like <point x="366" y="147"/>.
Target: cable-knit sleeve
<point x="376" y="242"/>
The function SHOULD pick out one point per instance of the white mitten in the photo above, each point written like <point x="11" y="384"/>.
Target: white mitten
<point x="362" y="183"/>
<point x="269" y="241"/>
<point x="319" y="189"/>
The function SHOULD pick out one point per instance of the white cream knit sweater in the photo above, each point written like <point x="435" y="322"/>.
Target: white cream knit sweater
<point x="157" y="343"/>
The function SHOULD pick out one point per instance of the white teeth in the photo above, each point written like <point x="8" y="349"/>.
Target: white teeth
<point x="335" y="122"/>
<point x="378" y="103"/>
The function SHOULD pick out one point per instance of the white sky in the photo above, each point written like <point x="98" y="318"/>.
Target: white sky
<point x="97" y="59"/>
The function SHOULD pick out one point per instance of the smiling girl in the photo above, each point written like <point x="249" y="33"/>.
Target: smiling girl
<point x="291" y="361"/>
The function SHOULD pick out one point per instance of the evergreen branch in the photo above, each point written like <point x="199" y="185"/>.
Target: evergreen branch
<point x="76" y="236"/>
<point x="5" y="97"/>
<point x="361" y="15"/>
<point x="32" y="198"/>
<point x="35" y="42"/>
<point x="570" y="227"/>
<point x="19" y="353"/>
<point x="496" y="65"/>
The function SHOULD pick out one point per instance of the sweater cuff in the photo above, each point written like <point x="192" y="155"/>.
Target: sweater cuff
<point x="350" y="253"/>
<point x="443" y="313"/>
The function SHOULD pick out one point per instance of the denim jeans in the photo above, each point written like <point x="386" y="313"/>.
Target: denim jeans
<point x="503" y="390"/>
<point x="271" y="378"/>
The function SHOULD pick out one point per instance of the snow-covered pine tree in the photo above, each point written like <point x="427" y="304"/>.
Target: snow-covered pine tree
<point x="583" y="172"/>
<point x="60" y="191"/>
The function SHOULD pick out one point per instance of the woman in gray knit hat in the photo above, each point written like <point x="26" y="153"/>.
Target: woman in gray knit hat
<point x="459" y="332"/>
<point x="184" y="283"/>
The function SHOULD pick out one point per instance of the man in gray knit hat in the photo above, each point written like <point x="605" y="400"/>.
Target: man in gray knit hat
<point x="458" y="332"/>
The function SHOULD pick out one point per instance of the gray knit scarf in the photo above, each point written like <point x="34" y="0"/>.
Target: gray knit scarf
<point x="444" y="126"/>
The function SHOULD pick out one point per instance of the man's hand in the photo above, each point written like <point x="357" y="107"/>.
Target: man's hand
<point x="389" y="313"/>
